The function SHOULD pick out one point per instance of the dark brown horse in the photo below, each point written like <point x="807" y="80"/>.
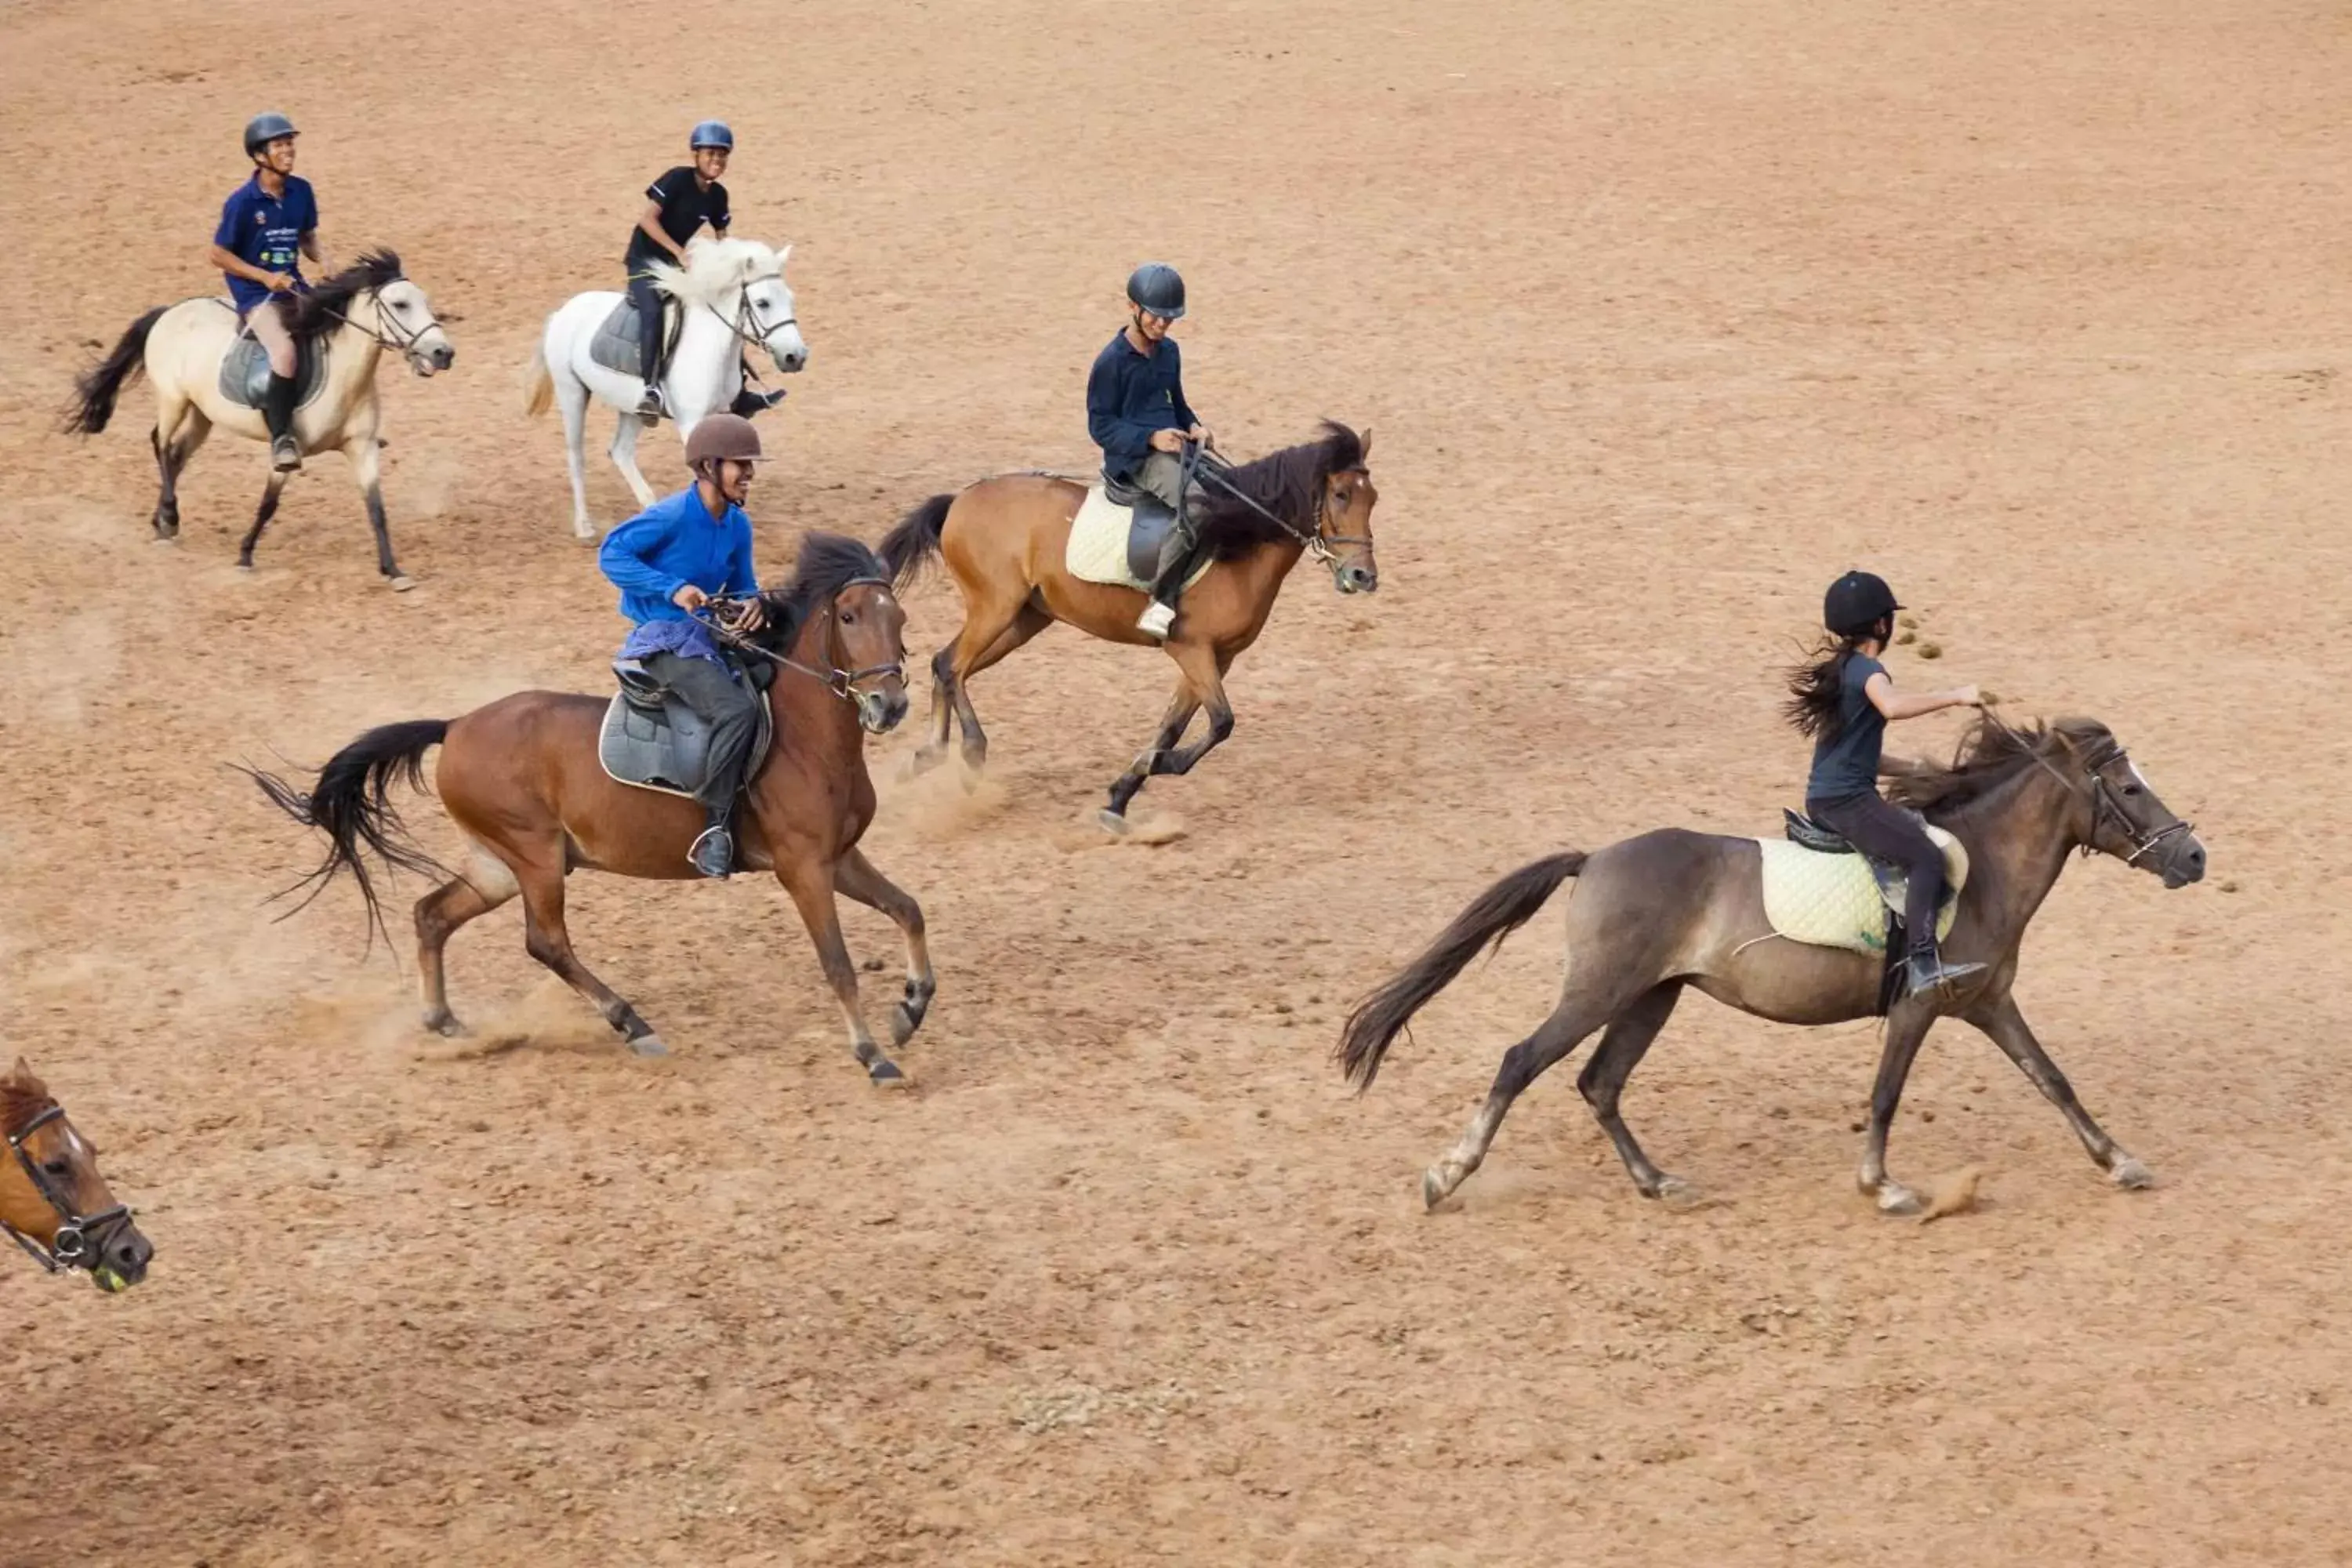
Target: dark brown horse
<point x="1006" y="543"/>
<point x="1673" y="909"/>
<point x="521" y="780"/>
<point x="53" y="1202"/>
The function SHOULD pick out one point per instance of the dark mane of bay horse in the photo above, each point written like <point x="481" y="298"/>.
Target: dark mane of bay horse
<point x="323" y="310"/>
<point x="1988" y="754"/>
<point x="827" y="563"/>
<point x="1286" y="483"/>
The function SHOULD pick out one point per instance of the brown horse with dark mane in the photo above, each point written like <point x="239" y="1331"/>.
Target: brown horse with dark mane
<point x="53" y="1202"/>
<point x="1007" y="541"/>
<point x="1673" y="908"/>
<point x="521" y="780"/>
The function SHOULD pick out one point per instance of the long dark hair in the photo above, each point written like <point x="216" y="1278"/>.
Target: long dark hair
<point x="1815" y="686"/>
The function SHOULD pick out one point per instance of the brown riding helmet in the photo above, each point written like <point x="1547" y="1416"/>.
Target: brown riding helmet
<point x="722" y="438"/>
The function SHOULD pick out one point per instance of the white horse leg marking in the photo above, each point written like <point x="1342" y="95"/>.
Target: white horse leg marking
<point x="571" y="401"/>
<point x="624" y="457"/>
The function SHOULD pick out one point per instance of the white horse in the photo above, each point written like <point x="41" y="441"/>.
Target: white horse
<point x="731" y="297"/>
<point x="353" y="317"/>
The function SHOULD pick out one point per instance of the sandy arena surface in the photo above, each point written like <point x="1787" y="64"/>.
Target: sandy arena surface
<point x="1659" y="316"/>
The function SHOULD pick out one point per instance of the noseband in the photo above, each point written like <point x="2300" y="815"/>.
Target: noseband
<point x="71" y="1246"/>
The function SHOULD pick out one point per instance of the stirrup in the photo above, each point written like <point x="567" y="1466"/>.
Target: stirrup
<point x="1926" y="971"/>
<point x="713" y="853"/>
<point x="650" y="407"/>
<point x="285" y="454"/>
<point x="1157" y="619"/>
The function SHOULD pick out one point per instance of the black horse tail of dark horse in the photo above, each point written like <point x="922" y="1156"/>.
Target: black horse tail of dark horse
<point x="1491" y="918"/>
<point x="350" y="804"/>
<point x="915" y="542"/>
<point x="95" y="392"/>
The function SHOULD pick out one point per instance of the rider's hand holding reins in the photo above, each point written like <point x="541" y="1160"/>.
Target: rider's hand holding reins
<point x="689" y="599"/>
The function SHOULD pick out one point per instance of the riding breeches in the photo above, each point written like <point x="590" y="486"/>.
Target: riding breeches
<point x="1162" y="475"/>
<point x="648" y="301"/>
<point x="731" y="711"/>
<point x="1884" y="833"/>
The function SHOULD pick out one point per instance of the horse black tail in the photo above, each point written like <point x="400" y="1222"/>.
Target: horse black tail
<point x="351" y="804"/>
<point x="94" y="392"/>
<point x="1491" y="918"/>
<point x="908" y="548"/>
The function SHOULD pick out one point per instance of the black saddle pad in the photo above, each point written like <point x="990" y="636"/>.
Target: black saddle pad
<point x="615" y="346"/>
<point x="652" y="739"/>
<point x="245" y="372"/>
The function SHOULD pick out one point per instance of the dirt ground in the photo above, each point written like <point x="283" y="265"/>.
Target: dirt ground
<point x="1659" y="316"/>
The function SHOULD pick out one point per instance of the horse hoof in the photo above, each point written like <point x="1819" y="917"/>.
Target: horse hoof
<point x="1675" y="1192"/>
<point x="883" y="1073"/>
<point x="403" y="582"/>
<point x="648" y="1044"/>
<point x="163" y="538"/>
<point x="903" y="1025"/>
<point x="447" y="1027"/>
<point x="1896" y="1199"/>
<point x="2131" y="1175"/>
<point x="1113" y="823"/>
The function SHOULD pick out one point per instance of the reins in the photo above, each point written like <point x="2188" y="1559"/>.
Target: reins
<point x="841" y="682"/>
<point x="1198" y="463"/>
<point x="2102" y="803"/>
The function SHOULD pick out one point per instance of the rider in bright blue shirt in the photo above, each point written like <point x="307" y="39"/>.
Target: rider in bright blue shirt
<point x="669" y="561"/>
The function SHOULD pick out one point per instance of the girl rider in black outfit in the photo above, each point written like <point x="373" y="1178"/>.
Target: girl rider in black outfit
<point x="1843" y="701"/>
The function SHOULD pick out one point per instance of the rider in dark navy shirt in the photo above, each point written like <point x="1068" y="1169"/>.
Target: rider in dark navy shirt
<point x="267" y="225"/>
<point x="1136" y="414"/>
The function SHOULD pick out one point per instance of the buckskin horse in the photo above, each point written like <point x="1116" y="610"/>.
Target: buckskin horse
<point x="53" y="1202"/>
<point x="1006" y="543"/>
<point x="350" y="320"/>
<point x="522" y="780"/>
<point x="1672" y="909"/>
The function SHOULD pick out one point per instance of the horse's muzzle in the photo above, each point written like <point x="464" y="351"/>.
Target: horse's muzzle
<point x="122" y="1258"/>
<point x="2183" y="861"/>
<point x="1357" y="578"/>
<point x="440" y="356"/>
<point x="878" y="713"/>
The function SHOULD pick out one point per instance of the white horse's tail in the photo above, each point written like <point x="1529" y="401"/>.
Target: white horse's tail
<point x="538" y="383"/>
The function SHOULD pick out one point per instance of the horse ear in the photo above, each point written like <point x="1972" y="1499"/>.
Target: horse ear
<point x="20" y="1076"/>
<point x="784" y="255"/>
<point x="1364" y="443"/>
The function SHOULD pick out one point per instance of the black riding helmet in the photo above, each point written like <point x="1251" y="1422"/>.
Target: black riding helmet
<point x="263" y="129"/>
<point x="1155" y="287"/>
<point x="1856" y="603"/>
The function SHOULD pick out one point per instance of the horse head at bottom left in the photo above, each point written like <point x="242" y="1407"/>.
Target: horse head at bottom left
<point x="53" y="1202"/>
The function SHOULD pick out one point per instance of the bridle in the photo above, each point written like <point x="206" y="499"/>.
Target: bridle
<point x="1197" y="463"/>
<point x="393" y="335"/>
<point x="75" y="1232"/>
<point x="2104" y="803"/>
<point x="746" y="317"/>
<point x="842" y="683"/>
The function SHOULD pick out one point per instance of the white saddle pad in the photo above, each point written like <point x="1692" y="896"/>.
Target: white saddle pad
<point x="1832" y="901"/>
<point x="1098" y="549"/>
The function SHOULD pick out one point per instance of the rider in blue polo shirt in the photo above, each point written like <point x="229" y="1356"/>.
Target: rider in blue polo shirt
<point x="267" y="225"/>
<point x="669" y="561"/>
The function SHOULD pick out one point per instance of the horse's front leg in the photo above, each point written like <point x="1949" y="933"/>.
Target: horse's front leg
<point x="809" y="881"/>
<point x="1180" y="709"/>
<point x="623" y="452"/>
<point x="2006" y="1026"/>
<point x="366" y="458"/>
<point x="857" y="877"/>
<point x="1906" y="1026"/>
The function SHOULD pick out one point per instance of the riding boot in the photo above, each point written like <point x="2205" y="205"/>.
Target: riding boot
<point x="1168" y="582"/>
<point x="649" y="346"/>
<point x="1926" y="970"/>
<point x="748" y="401"/>
<point x="278" y="413"/>
<point x="713" y="853"/>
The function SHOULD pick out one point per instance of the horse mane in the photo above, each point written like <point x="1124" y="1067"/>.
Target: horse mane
<point x="828" y="563"/>
<point x="714" y="267"/>
<point x="323" y="310"/>
<point x="1286" y="483"/>
<point x="21" y="1096"/>
<point x="1988" y="755"/>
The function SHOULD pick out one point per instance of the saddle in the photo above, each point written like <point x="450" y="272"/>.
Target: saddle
<point x="1116" y="535"/>
<point x="1820" y="890"/>
<point x="654" y="741"/>
<point x="615" y="346"/>
<point x="245" y="371"/>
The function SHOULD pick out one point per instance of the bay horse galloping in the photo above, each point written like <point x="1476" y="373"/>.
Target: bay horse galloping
<point x="1005" y="541"/>
<point x="53" y="1202"/>
<point x="351" y="317"/>
<point x="522" y="781"/>
<point x="1673" y="908"/>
